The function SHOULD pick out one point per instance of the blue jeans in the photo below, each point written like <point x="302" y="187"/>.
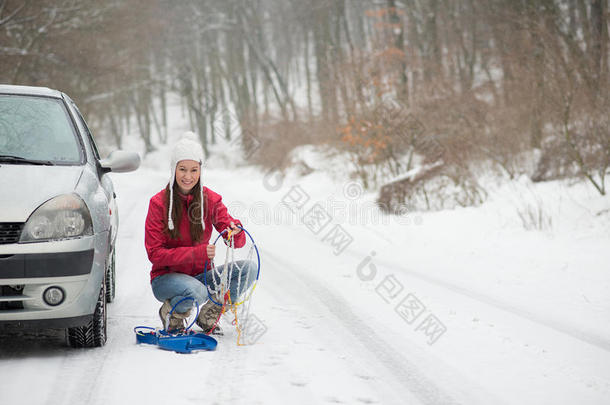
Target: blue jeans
<point x="176" y="286"/>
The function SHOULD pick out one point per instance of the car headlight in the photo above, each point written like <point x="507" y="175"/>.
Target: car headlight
<point x="65" y="216"/>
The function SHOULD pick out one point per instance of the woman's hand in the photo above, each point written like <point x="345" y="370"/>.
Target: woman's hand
<point x="211" y="251"/>
<point x="234" y="228"/>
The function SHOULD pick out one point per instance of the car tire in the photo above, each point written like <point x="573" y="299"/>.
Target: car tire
<point x="111" y="279"/>
<point x="94" y="333"/>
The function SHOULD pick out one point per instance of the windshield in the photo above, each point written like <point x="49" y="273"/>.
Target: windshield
<point x="37" y="129"/>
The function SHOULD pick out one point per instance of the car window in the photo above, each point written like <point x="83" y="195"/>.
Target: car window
<point x="37" y="128"/>
<point x="82" y="124"/>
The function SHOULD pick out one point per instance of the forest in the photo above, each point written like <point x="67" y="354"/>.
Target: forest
<point x="424" y="96"/>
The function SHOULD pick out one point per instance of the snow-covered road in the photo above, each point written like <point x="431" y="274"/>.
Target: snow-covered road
<point x="436" y="311"/>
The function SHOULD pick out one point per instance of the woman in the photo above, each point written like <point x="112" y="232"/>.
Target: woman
<point x="177" y="241"/>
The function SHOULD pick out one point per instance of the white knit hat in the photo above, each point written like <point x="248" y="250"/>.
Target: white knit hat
<point x="187" y="148"/>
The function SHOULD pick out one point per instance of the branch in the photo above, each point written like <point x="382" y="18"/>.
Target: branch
<point x="13" y="14"/>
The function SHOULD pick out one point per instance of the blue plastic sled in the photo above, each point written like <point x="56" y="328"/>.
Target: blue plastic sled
<point x="181" y="343"/>
<point x="187" y="343"/>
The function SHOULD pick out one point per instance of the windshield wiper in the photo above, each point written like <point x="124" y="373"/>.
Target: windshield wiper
<point x="22" y="160"/>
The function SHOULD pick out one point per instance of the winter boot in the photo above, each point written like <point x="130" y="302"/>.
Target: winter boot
<point x="176" y="321"/>
<point x="208" y="315"/>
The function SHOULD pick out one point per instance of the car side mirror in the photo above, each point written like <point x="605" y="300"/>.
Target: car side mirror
<point x="120" y="161"/>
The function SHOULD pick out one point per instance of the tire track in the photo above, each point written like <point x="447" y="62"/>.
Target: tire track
<point x="598" y="341"/>
<point x="406" y="374"/>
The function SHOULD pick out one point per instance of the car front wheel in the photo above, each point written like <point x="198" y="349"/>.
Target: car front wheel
<point x="94" y="333"/>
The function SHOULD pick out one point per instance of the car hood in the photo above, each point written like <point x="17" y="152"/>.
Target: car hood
<point x="25" y="187"/>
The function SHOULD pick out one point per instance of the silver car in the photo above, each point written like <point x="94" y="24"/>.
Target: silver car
<point x="58" y="217"/>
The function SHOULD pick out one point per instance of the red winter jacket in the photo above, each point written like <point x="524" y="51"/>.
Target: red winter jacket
<point x="183" y="255"/>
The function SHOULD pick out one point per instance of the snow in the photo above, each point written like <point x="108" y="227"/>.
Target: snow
<point x="524" y="312"/>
